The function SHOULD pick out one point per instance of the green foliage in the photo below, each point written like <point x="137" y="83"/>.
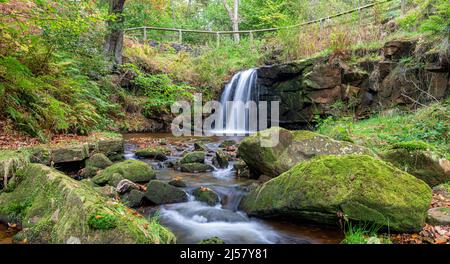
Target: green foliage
<point x="363" y="233"/>
<point x="428" y="124"/>
<point x="411" y="145"/>
<point x="102" y="221"/>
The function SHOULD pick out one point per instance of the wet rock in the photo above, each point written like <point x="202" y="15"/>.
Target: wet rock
<point x="212" y="240"/>
<point x="193" y="157"/>
<point x="206" y="195"/>
<point x="323" y="76"/>
<point x="439" y="216"/>
<point x="125" y="186"/>
<point x="98" y="160"/>
<point x="157" y="153"/>
<point x="133" y="198"/>
<point x="241" y="169"/>
<point x="77" y="211"/>
<point x="289" y="148"/>
<point x="133" y="170"/>
<point x="359" y="187"/>
<point x="195" y="167"/>
<point x="159" y="192"/>
<point x="220" y="159"/>
<point x="178" y="182"/>
<point x="200" y="146"/>
<point x="227" y="143"/>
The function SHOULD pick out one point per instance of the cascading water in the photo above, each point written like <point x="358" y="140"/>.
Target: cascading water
<point x="237" y="93"/>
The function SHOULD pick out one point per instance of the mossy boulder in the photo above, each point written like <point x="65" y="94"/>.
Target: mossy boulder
<point x="418" y="162"/>
<point x="178" y="182"/>
<point x="212" y="240"/>
<point x="200" y="146"/>
<point x="287" y="148"/>
<point x="133" y="198"/>
<point x="227" y="143"/>
<point x="98" y="160"/>
<point x="69" y="153"/>
<point x="220" y="159"/>
<point x="10" y="162"/>
<point x="54" y="208"/>
<point x="159" y="192"/>
<point x="195" y="167"/>
<point x="193" y="157"/>
<point x="358" y="187"/>
<point x="241" y="169"/>
<point x="157" y="153"/>
<point x="439" y="216"/>
<point x="206" y="195"/>
<point x="133" y="170"/>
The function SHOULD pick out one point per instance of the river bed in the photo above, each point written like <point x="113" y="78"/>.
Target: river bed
<point x="193" y="221"/>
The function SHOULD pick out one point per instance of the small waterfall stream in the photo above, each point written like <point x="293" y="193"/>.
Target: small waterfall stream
<point x="235" y="117"/>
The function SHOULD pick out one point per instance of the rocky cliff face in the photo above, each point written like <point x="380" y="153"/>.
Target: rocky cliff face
<point x="401" y="73"/>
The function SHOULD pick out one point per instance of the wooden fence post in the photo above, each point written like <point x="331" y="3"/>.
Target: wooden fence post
<point x="251" y="37"/>
<point x="180" y="36"/>
<point x="145" y="34"/>
<point x="217" y="39"/>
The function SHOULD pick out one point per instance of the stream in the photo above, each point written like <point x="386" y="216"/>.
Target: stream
<point x="193" y="221"/>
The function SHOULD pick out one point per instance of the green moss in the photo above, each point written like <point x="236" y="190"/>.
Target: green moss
<point x="133" y="170"/>
<point x="55" y="207"/>
<point x="153" y="152"/>
<point x="102" y="221"/>
<point x="206" y="195"/>
<point x="361" y="187"/>
<point x="212" y="240"/>
<point x="412" y="145"/>
<point x="194" y="157"/>
<point x="98" y="160"/>
<point x="195" y="167"/>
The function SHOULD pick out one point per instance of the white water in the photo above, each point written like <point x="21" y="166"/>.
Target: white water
<point x="235" y="119"/>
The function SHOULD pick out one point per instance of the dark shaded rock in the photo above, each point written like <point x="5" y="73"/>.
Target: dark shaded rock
<point x="159" y="192"/>
<point x="323" y="76"/>
<point x="200" y="146"/>
<point x="397" y="49"/>
<point x="220" y="159"/>
<point x="241" y="169"/>
<point x="133" y="198"/>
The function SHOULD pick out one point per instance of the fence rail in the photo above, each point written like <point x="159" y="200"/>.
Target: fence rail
<point x="321" y="21"/>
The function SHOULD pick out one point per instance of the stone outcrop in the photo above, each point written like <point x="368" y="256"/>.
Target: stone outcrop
<point x="316" y="86"/>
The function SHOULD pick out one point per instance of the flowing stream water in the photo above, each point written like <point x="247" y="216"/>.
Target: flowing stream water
<point x="193" y="221"/>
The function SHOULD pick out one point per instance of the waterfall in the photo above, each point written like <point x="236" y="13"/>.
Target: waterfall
<point x="234" y="117"/>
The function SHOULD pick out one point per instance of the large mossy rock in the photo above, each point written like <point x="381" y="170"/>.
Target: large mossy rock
<point x="98" y="160"/>
<point x="419" y="163"/>
<point x="206" y="195"/>
<point x="193" y="157"/>
<point x="53" y="208"/>
<point x="10" y="162"/>
<point x="292" y="148"/>
<point x="133" y="170"/>
<point x="159" y="192"/>
<point x="158" y="153"/>
<point x="359" y="187"/>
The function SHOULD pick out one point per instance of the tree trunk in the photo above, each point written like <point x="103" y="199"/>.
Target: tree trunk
<point x="234" y="17"/>
<point x="114" y="40"/>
